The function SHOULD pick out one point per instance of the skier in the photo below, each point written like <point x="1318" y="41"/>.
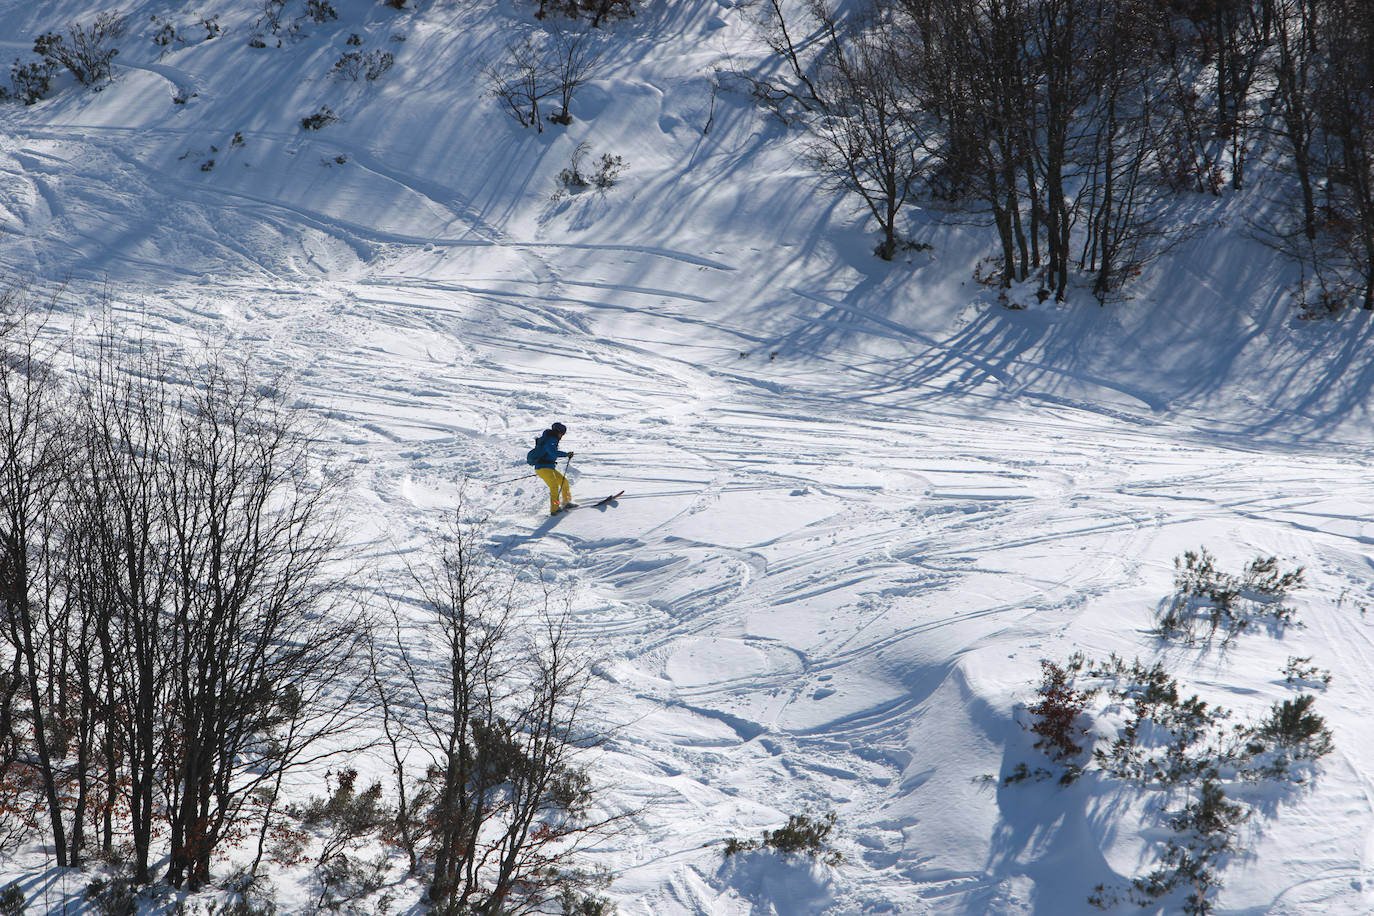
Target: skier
<point x="544" y="456"/>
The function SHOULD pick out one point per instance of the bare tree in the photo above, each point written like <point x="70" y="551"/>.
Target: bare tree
<point x="1345" y="104"/>
<point x="204" y="564"/>
<point x="261" y="641"/>
<point x="862" y="141"/>
<point x="504" y="806"/>
<point x="968" y="68"/>
<point x="537" y="68"/>
<point x="125" y="414"/>
<point x="35" y="458"/>
<point x="1295" y="72"/>
<point x="575" y="59"/>
<point x="523" y="79"/>
<point x="1121" y="203"/>
<point x="1061" y="33"/>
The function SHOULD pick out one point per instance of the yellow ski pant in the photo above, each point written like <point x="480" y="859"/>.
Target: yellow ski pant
<point x="559" y="492"/>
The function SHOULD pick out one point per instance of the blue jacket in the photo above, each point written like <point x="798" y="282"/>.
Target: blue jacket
<point x="546" y="452"/>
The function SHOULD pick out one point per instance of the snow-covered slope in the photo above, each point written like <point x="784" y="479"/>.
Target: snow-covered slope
<point x="863" y="500"/>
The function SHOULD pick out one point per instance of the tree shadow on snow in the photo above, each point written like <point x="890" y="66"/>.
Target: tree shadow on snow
<point x="1051" y="834"/>
<point x="1230" y="371"/>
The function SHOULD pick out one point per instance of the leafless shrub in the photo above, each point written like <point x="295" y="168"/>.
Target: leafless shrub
<point x="320" y="11"/>
<point x="574" y="58"/>
<point x="87" y="51"/>
<point x="521" y="80"/>
<point x="598" y="11"/>
<point x="372" y="64"/>
<point x="578" y="176"/>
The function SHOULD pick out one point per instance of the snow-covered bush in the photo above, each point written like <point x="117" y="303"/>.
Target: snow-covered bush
<point x="576" y="903"/>
<point x="238" y="906"/>
<point x="166" y="33"/>
<point x="115" y="896"/>
<point x="1166" y="736"/>
<point x="273" y="14"/>
<point x="1169" y="741"/>
<point x="274" y="20"/>
<point x="1294" y="729"/>
<point x="1299" y="670"/>
<point x="346" y="822"/>
<point x="608" y="169"/>
<point x="1205" y="831"/>
<point x="87" y="51"/>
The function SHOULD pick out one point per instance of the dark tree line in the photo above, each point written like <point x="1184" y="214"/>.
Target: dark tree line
<point x="1070" y="124"/>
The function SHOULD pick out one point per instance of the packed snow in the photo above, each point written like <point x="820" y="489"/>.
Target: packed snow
<point x="863" y="500"/>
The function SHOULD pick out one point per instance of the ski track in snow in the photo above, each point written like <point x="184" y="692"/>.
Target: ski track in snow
<point x="833" y="574"/>
<point x="778" y="597"/>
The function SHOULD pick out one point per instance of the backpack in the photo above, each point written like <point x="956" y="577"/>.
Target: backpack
<point x="532" y="456"/>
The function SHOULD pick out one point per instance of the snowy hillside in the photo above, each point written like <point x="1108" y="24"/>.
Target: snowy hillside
<point x="863" y="500"/>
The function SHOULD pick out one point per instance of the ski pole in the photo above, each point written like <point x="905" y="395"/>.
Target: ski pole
<point x="509" y="480"/>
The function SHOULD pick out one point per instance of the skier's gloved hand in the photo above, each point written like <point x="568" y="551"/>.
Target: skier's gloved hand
<point x="570" y="454"/>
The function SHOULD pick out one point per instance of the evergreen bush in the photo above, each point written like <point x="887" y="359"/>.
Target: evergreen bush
<point x="12" y="900"/>
<point x="1227" y="602"/>
<point x="1057" y="713"/>
<point x="319" y="119"/>
<point x="802" y="833"/>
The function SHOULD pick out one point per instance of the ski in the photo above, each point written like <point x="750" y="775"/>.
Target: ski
<point x="600" y="502"/>
<point x="611" y="498"/>
<point x="606" y="501"/>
